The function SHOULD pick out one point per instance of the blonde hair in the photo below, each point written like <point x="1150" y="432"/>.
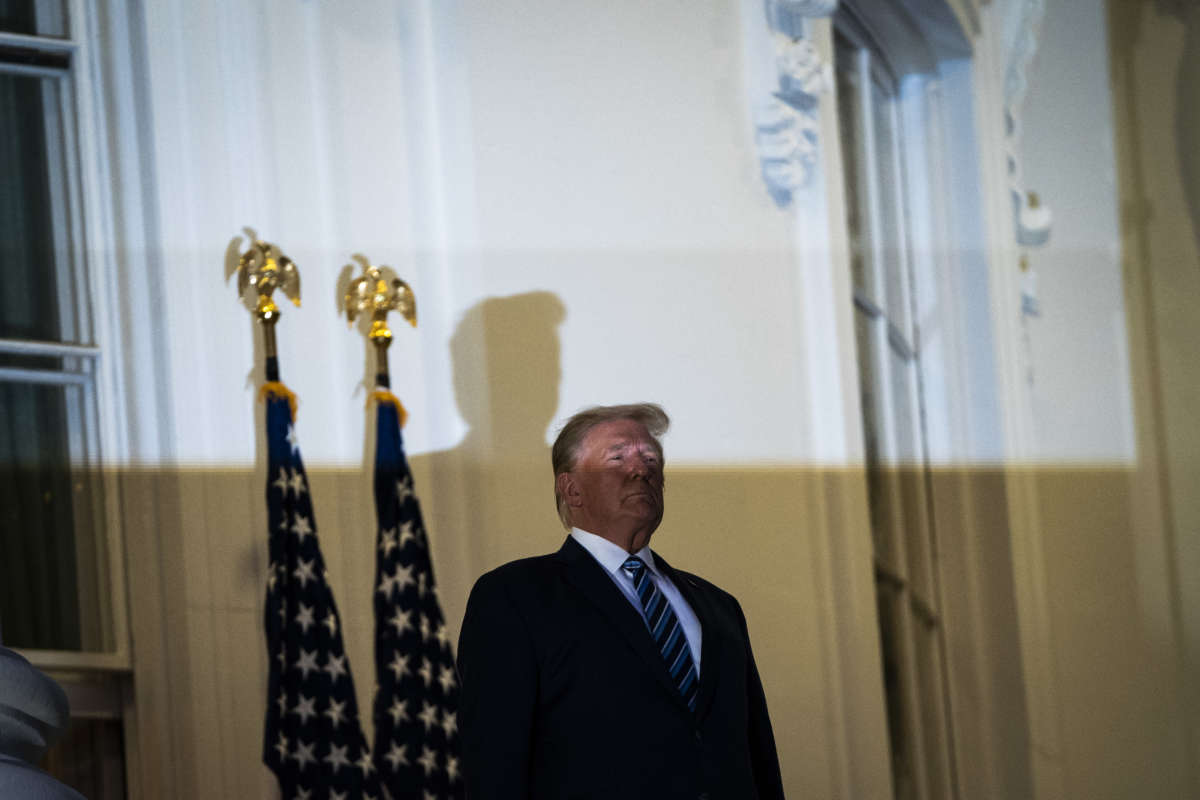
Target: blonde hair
<point x="566" y="447"/>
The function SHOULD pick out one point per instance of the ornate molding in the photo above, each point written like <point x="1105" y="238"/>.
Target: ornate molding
<point x="1032" y="220"/>
<point x="786" y="120"/>
<point x="787" y="16"/>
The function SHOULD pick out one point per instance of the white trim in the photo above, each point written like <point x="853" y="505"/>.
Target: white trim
<point x="1033" y="614"/>
<point x="49" y="44"/>
<point x="1000" y="245"/>
<point x="821" y="302"/>
<point x="32" y="71"/>
<point x="842" y="566"/>
<point x="118" y="199"/>
<point x="36" y="348"/>
<point x="126" y="288"/>
<point x="97" y="245"/>
<point x="118" y="662"/>
<point x="17" y="375"/>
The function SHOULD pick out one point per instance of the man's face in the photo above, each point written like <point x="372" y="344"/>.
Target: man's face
<point x="617" y="482"/>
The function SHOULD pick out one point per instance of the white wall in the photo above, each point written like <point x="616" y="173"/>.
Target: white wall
<point x="294" y="119"/>
<point x="599" y="154"/>
<point x="1077" y="346"/>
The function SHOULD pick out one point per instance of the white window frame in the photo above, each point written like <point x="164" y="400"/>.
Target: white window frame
<point x="80" y="215"/>
<point x="100" y="220"/>
<point x="967" y="372"/>
<point x="895" y="333"/>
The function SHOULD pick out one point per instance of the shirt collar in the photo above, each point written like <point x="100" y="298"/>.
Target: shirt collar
<point x="611" y="556"/>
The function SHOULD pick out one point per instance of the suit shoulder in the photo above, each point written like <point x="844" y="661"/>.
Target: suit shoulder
<point x="708" y="587"/>
<point x="516" y="573"/>
<point x="521" y="589"/>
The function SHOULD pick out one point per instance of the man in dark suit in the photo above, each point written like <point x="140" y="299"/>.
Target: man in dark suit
<point x="600" y="671"/>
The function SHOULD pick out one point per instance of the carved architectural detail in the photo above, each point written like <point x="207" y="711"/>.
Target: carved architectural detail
<point x="787" y="16"/>
<point x="787" y="122"/>
<point x="1032" y="220"/>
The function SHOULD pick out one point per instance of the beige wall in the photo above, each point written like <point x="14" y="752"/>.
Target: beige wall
<point x="1117" y="668"/>
<point x="197" y="608"/>
<point x="1156" y="59"/>
<point x="790" y="542"/>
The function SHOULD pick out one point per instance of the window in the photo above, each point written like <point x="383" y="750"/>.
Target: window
<point x="61" y="600"/>
<point x="877" y="171"/>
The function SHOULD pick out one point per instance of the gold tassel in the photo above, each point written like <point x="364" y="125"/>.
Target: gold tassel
<point x="277" y="389"/>
<point x="380" y="396"/>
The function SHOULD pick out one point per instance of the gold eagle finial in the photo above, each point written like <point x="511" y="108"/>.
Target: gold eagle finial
<point x="265" y="268"/>
<point x="378" y="293"/>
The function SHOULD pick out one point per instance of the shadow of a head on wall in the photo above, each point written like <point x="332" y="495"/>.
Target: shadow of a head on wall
<point x="493" y="492"/>
<point x="505" y="353"/>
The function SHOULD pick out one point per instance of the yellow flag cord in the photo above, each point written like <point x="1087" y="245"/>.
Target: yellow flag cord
<point x="278" y="390"/>
<point x="381" y="396"/>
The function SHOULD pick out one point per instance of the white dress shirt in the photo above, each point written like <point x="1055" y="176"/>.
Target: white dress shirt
<point x="611" y="556"/>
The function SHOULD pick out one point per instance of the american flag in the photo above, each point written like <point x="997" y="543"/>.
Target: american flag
<point x="416" y="700"/>
<point x="312" y="740"/>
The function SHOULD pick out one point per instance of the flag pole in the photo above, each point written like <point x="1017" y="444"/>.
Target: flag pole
<point x="312" y="738"/>
<point x="415" y="709"/>
<point x="378" y="292"/>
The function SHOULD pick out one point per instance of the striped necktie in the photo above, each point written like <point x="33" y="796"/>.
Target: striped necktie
<point x="665" y="628"/>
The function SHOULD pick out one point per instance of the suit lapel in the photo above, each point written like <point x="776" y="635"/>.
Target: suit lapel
<point x="710" y="648"/>
<point x="593" y="582"/>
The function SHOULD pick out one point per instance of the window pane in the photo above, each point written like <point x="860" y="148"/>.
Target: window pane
<point x="891" y="644"/>
<point x="877" y="490"/>
<point x="850" y="132"/>
<point x="53" y="586"/>
<point x="891" y="210"/>
<point x="36" y="293"/>
<point x="27" y="361"/>
<point x="902" y="374"/>
<point x="933" y="711"/>
<point x="917" y="544"/>
<point x="33" y="17"/>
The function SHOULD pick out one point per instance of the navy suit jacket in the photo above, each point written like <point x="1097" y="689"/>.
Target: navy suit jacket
<point x="564" y="693"/>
